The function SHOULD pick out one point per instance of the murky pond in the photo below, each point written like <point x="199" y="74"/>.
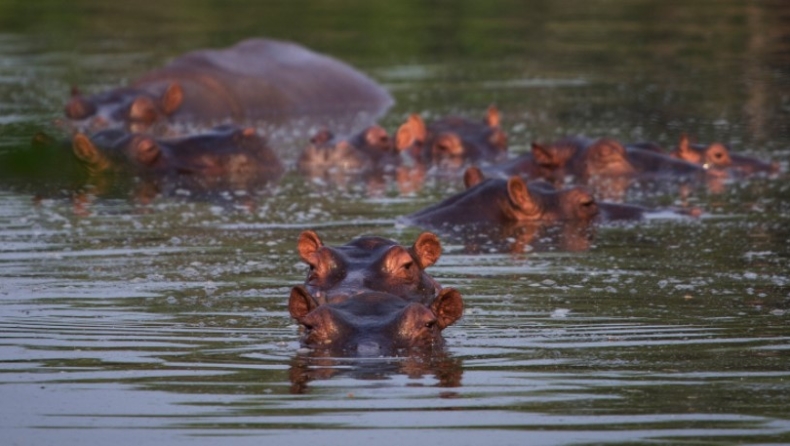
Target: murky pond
<point x="131" y="319"/>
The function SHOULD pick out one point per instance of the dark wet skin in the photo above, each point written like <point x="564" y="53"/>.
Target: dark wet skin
<point x="495" y="201"/>
<point x="370" y="264"/>
<point x="453" y="142"/>
<point x="373" y="324"/>
<point x="254" y="80"/>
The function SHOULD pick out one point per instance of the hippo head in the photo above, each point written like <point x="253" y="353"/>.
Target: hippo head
<point x="453" y="142"/>
<point x="715" y="155"/>
<point x="134" y="108"/>
<point x="114" y="148"/>
<point x="604" y="157"/>
<point x="538" y="200"/>
<point x="370" y="263"/>
<point x="369" y="149"/>
<point x="372" y="324"/>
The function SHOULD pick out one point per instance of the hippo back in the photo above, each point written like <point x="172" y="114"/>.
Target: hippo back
<point x="261" y="79"/>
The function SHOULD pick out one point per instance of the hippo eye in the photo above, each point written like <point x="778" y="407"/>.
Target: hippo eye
<point x="430" y="324"/>
<point x="408" y="265"/>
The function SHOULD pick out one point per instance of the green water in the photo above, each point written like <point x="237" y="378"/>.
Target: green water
<point x="129" y="322"/>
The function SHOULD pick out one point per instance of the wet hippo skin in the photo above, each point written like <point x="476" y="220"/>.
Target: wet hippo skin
<point x="370" y="264"/>
<point x="374" y="323"/>
<point x="254" y="80"/>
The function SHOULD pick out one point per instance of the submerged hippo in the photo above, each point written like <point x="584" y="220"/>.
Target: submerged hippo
<point x="226" y="151"/>
<point x="371" y="323"/>
<point x="453" y="141"/>
<point x="718" y="156"/>
<point x="370" y="264"/>
<point x="256" y="80"/>
<point x="496" y="201"/>
<point x="370" y="150"/>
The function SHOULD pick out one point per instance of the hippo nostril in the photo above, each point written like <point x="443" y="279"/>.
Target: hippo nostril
<point x="368" y="348"/>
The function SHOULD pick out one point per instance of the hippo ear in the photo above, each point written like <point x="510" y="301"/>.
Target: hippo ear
<point x="301" y="303"/>
<point x="492" y="116"/>
<point x="83" y="148"/>
<point x="78" y="108"/>
<point x="473" y="176"/>
<point x="542" y="155"/>
<point x="309" y="243"/>
<point x="684" y="145"/>
<point x="427" y="249"/>
<point x="172" y="98"/>
<point x="410" y="133"/>
<point x="448" y="307"/>
<point x="519" y="194"/>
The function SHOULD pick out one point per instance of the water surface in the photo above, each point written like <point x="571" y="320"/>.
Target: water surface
<point x="129" y="321"/>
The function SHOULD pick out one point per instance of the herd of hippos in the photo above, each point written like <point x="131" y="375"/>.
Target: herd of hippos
<point x="197" y="121"/>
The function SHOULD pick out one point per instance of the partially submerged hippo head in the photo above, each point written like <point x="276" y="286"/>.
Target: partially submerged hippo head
<point x="717" y="156"/>
<point x="453" y="141"/>
<point x="371" y="149"/>
<point x="225" y="151"/>
<point x="496" y="201"/>
<point x="138" y="108"/>
<point x="372" y="324"/>
<point x="370" y="264"/>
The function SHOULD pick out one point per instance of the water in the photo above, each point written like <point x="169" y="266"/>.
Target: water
<point x="128" y="321"/>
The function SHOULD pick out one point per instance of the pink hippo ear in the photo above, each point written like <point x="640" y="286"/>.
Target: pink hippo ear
<point x="301" y="303"/>
<point x="411" y="133"/>
<point x="492" y="116"/>
<point x="88" y="153"/>
<point x="520" y="196"/>
<point x="83" y="148"/>
<point x="308" y="245"/>
<point x="473" y="176"/>
<point x="684" y="145"/>
<point x="427" y="249"/>
<point x="172" y="98"/>
<point x="542" y="155"/>
<point x="448" y="307"/>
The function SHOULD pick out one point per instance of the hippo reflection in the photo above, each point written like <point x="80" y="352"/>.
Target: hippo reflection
<point x="372" y="324"/>
<point x="318" y="365"/>
<point x="254" y="80"/>
<point x="370" y="264"/>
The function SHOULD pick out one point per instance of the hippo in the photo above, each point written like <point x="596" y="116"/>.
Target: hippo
<point x="452" y="142"/>
<point x="583" y="159"/>
<point x="370" y="264"/>
<point x="717" y="156"/>
<point x="372" y="149"/>
<point x="255" y="81"/>
<point x="227" y="152"/>
<point x="496" y="201"/>
<point x="372" y="323"/>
